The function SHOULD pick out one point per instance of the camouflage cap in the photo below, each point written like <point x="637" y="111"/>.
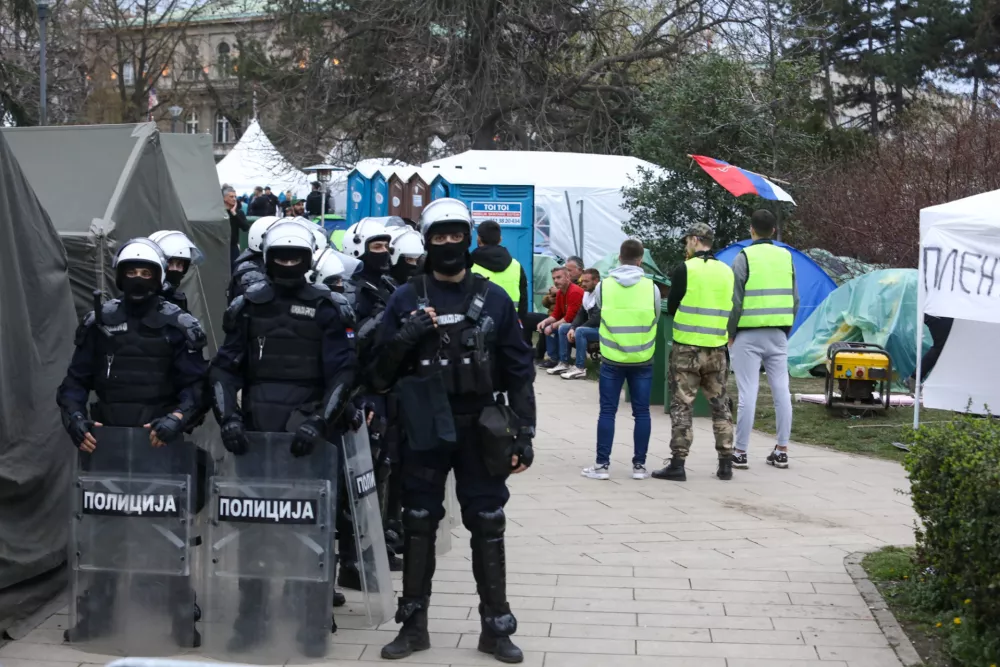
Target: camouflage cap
<point x="700" y="229"/>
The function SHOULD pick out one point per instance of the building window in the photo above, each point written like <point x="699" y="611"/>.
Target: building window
<point x="192" y="68"/>
<point x="128" y="74"/>
<point x="223" y="133"/>
<point x="191" y="124"/>
<point x="225" y="65"/>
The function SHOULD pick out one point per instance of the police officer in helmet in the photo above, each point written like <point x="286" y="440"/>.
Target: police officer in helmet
<point x="181" y="253"/>
<point x="143" y="358"/>
<point x="249" y="265"/>
<point x="451" y="338"/>
<point x="287" y="349"/>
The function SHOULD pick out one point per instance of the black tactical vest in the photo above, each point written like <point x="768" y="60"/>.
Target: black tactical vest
<point x="133" y="376"/>
<point x="461" y="349"/>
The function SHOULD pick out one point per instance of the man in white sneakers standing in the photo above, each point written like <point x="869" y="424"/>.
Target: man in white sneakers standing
<point x="764" y="306"/>
<point x="630" y="307"/>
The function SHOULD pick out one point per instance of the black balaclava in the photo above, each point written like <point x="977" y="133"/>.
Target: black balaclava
<point x="138" y="291"/>
<point x="288" y="276"/>
<point x="449" y="258"/>
<point x="175" y="277"/>
<point x="403" y="270"/>
<point x="376" y="263"/>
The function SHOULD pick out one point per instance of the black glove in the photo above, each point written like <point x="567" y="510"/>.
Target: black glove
<point x="78" y="426"/>
<point x="234" y="436"/>
<point x="167" y="428"/>
<point x="524" y="452"/>
<point x="354" y="418"/>
<point x="308" y="435"/>
<point x="416" y="327"/>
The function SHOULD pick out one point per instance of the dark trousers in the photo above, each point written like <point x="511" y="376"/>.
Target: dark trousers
<point x="425" y="473"/>
<point x="530" y="323"/>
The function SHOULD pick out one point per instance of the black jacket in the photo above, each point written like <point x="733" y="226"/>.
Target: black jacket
<point x="497" y="258"/>
<point x="314" y="204"/>
<point x="259" y="207"/>
<point x="236" y="223"/>
<point x="587" y="318"/>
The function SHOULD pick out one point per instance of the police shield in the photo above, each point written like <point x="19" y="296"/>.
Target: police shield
<point x="369" y="536"/>
<point x="132" y="533"/>
<point x="269" y="555"/>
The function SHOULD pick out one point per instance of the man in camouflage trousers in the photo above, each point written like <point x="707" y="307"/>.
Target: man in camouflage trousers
<point x="700" y="301"/>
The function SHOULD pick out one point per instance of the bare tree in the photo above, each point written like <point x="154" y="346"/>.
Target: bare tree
<point x="392" y="76"/>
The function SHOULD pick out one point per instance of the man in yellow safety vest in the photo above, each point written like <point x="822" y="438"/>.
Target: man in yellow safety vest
<point x="764" y="307"/>
<point x="630" y="306"/>
<point x="700" y="301"/>
<point x="493" y="262"/>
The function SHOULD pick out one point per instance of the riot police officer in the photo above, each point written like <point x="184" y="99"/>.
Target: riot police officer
<point x="406" y="248"/>
<point x="181" y="254"/>
<point x="249" y="266"/>
<point x="451" y="339"/>
<point x="143" y="358"/>
<point x="287" y="348"/>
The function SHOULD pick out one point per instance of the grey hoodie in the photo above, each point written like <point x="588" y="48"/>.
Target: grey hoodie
<point x="626" y="276"/>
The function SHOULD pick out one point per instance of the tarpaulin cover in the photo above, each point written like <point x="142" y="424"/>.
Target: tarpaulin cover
<point x="813" y="282"/>
<point x="37" y="321"/>
<point x="879" y="308"/>
<point x="105" y="184"/>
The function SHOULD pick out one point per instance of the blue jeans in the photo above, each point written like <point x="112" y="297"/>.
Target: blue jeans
<point x="584" y="336"/>
<point x="640" y="384"/>
<point x="557" y="345"/>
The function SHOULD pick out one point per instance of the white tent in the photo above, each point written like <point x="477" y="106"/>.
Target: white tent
<point x="959" y="277"/>
<point x="578" y="196"/>
<point x="255" y="161"/>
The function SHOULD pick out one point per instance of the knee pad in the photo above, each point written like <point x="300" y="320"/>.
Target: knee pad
<point x="418" y="521"/>
<point x="486" y="523"/>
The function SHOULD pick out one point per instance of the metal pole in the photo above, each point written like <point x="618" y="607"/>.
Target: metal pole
<point x="322" y="207"/>
<point x="777" y="225"/>
<point x="921" y="295"/>
<point x="43" y="13"/>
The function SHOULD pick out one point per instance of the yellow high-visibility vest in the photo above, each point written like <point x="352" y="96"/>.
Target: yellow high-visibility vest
<point x="509" y="279"/>
<point x="628" y="321"/>
<point x="703" y="313"/>
<point x="769" y="298"/>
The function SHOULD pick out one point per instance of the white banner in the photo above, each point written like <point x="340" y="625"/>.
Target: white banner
<point x="960" y="274"/>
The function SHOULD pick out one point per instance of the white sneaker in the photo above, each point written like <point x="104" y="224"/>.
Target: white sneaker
<point x="574" y="373"/>
<point x="639" y="471"/>
<point x="561" y="367"/>
<point x="596" y="472"/>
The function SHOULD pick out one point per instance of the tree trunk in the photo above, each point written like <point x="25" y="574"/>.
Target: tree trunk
<point x="831" y="110"/>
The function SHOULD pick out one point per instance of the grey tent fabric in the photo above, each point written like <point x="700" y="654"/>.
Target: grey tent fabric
<point x="192" y="169"/>
<point x="36" y="342"/>
<point x="105" y="184"/>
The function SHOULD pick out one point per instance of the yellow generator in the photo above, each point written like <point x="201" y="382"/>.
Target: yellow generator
<point x="858" y="370"/>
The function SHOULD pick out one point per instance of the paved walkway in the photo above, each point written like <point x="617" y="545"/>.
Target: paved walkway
<point x="747" y="573"/>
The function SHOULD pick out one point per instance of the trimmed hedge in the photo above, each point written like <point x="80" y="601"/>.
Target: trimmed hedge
<point x="955" y="476"/>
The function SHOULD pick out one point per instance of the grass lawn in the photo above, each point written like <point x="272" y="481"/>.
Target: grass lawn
<point x="871" y="432"/>
<point x="939" y="637"/>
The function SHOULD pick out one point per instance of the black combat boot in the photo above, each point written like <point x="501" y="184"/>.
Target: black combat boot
<point x="725" y="471"/>
<point x="250" y="627"/>
<point x="489" y="568"/>
<point x="94" y="610"/>
<point x="338" y="599"/>
<point x="350" y="575"/>
<point x="418" y="571"/>
<point x="673" y="472"/>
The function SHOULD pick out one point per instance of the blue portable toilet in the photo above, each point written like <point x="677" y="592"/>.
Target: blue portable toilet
<point x="439" y="188"/>
<point x="359" y="196"/>
<point x="513" y="206"/>
<point x="812" y="282"/>
<point x="380" y="194"/>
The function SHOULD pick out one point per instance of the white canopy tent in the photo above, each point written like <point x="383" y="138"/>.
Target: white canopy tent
<point x="959" y="277"/>
<point x="578" y="196"/>
<point x="255" y="161"/>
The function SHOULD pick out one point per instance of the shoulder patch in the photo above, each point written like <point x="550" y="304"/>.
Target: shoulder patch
<point x="231" y="316"/>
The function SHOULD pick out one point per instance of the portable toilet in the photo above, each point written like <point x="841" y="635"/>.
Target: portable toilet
<point x="359" y="196"/>
<point x="397" y="196"/>
<point x="512" y="206"/>
<point x="439" y="188"/>
<point x="380" y="195"/>
<point x="417" y="192"/>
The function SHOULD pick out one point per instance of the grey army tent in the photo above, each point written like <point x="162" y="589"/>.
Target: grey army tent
<point x="105" y="184"/>
<point x="37" y="321"/>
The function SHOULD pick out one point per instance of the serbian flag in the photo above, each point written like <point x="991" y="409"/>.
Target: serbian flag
<point x="740" y="181"/>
